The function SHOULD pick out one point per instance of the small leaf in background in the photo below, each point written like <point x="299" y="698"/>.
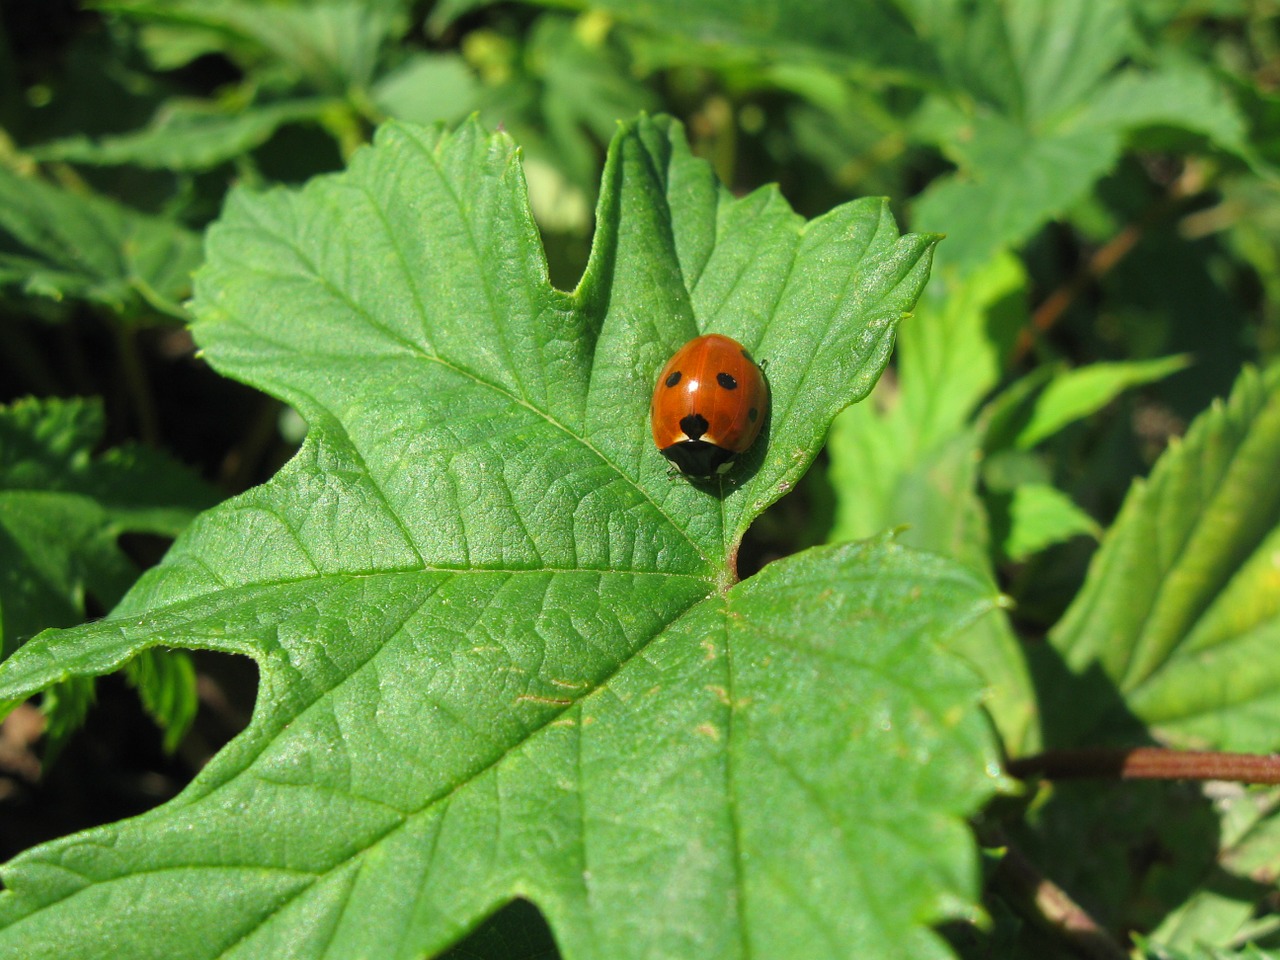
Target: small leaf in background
<point x="859" y="30"/>
<point x="427" y="88"/>
<point x="502" y="654"/>
<point x="60" y="244"/>
<point x="959" y="344"/>
<point x="316" y="62"/>
<point x="62" y="512"/>
<point x="1179" y="94"/>
<point x="1151" y="951"/>
<point x="1041" y="515"/>
<point x="1050" y="115"/>
<point x="909" y="457"/>
<point x="189" y="135"/>
<point x="560" y="95"/>
<point x="1017" y="181"/>
<point x="1225" y="905"/>
<point x="1180" y="614"/>
<point x="1005" y="415"/>
<point x="1075" y="394"/>
<point x="330" y="46"/>
<point x="955" y="343"/>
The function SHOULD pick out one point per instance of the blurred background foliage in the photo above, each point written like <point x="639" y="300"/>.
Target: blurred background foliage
<point x="1104" y="172"/>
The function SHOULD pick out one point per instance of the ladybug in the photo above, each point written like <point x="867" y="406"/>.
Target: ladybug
<point x="708" y="406"/>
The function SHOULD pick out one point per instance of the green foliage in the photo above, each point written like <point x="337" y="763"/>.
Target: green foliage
<point x="530" y="602"/>
<point x="913" y="458"/>
<point x="1200" y="952"/>
<point x="62" y="512"/>
<point x="1221" y="908"/>
<point x="59" y="243"/>
<point x="331" y="46"/>
<point x="1041" y="515"/>
<point x="1079" y="393"/>
<point x="1058" y="124"/>
<point x="560" y="94"/>
<point x="508" y="658"/>
<point x="858" y="30"/>
<point x="189" y="136"/>
<point x="1180" y="609"/>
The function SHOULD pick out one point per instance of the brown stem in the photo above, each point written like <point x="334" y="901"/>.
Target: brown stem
<point x="1148" y="763"/>
<point x="1104" y="259"/>
<point x="1046" y="903"/>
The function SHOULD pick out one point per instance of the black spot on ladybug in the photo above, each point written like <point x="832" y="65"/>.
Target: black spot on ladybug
<point x="694" y="425"/>
<point x="726" y="380"/>
<point x="752" y="414"/>
<point x="673" y="378"/>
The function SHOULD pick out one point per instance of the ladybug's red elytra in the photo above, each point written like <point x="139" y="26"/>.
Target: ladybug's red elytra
<point x="708" y="406"/>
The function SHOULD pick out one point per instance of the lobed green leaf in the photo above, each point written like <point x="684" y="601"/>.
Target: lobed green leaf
<point x="502" y="653"/>
<point x="1054" y="103"/>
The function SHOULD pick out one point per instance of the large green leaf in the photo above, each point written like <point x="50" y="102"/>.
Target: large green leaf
<point x="768" y="749"/>
<point x="1180" y="612"/>
<point x="502" y="653"/>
